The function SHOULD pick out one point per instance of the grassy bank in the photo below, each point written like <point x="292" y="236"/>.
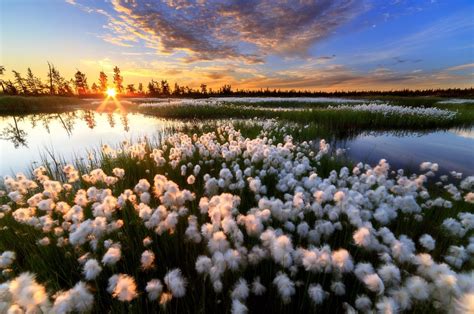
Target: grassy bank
<point x="40" y="104"/>
<point x="332" y="119"/>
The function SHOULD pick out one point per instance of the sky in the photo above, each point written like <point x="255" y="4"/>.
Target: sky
<point x="317" y="45"/>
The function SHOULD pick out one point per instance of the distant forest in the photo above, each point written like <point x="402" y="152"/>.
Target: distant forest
<point x="56" y="84"/>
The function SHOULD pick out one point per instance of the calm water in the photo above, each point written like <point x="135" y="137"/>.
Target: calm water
<point x="451" y="149"/>
<point x="24" y="139"/>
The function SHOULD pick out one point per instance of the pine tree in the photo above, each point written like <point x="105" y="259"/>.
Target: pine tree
<point x="103" y="81"/>
<point x="118" y="80"/>
<point x="20" y="82"/>
<point x="33" y="83"/>
<point x="80" y="83"/>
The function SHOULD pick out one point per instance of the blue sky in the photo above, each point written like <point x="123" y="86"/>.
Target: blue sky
<point x="317" y="45"/>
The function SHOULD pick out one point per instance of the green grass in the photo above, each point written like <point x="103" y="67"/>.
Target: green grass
<point x="40" y="104"/>
<point x="340" y="121"/>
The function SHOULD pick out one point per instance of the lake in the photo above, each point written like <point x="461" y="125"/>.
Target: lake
<point x="25" y="138"/>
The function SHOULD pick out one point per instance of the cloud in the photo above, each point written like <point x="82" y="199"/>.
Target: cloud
<point x="461" y="67"/>
<point x="244" y="30"/>
<point x="340" y="77"/>
<point x="325" y="58"/>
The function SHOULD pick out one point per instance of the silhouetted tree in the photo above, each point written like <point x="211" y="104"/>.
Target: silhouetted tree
<point x="203" y="89"/>
<point x="20" y="82"/>
<point x="66" y="87"/>
<point x="80" y="83"/>
<point x="131" y="89"/>
<point x="103" y="82"/>
<point x="140" y="88"/>
<point x="154" y="88"/>
<point x="118" y="80"/>
<point x="165" y="88"/>
<point x="50" y="77"/>
<point x="95" y="88"/>
<point x="176" y="90"/>
<point x="33" y="83"/>
<point x="57" y="83"/>
<point x="2" y="71"/>
<point x="226" y="90"/>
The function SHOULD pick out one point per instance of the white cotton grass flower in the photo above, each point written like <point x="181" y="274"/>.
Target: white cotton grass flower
<point x="257" y="287"/>
<point x="362" y="237"/>
<point x="389" y="273"/>
<point x="464" y="304"/>
<point x="338" y="288"/>
<point x="238" y="307"/>
<point x="44" y="241"/>
<point x="469" y="198"/>
<point x="154" y="288"/>
<point x="218" y="286"/>
<point x="122" y="287"/>
<point x="91" y="269"/>
<point x="203" y="264"/>
<point x="387" y="305"/>
<point x="456" y="256"/>
<point x="363" y="269"/>
<point x="418" y="288"/>
<point x="165" y="298"/>
<point x="7" y="258"/>
<point x="241" y="290"/>
<point x="342" y="261"/>
<point x="78" y="299"/>
<point x="218" y="242"/>
<point x="147" y="241"/>
<point x="191" y="179"/>
<point x="233" y="259"/>
<point x="363" y="303"/>
<point x="118" y="172"/>
<point x="282" y="250"/>
<point x="317" y="294"/>
<point x="112" y="256"/>
<point x="403" y="249"/>
<point x="374" y="283"/>
<point x="28" y="294"/>
<point x="402" y="298"/>
<point x="427" y="242"/>
<point x="176" y="283"/>
<point x="286" y="287"/>
<point x="147" y="259"/>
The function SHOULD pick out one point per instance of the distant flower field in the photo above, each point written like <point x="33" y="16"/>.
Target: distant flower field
<point x="212" y="221"/>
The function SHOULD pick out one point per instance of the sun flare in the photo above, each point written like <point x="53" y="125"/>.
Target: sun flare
<point x="111" y="92"/>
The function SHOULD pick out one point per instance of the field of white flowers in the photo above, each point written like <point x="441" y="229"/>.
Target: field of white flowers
<point x="385" y="109"/>
<point x="215" y="222"/>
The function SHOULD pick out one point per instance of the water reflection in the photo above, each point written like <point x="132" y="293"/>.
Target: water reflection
<point x="452" y="149"/>
<point x="69" y="134"/>
<point x="15" y="132"/>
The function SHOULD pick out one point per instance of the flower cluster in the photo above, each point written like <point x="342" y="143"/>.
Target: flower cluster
<point x="248" y="216"/>
<point x="216" y="101"/>
<point x="389" y="110"/>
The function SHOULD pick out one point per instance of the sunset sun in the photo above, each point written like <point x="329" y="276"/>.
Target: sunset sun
<point x="111" y="92"/>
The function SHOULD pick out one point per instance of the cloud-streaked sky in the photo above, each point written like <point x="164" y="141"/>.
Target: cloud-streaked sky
<point x="300" y="44"/>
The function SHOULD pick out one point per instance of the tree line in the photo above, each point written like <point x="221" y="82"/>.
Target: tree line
<point x="56" y="84"/>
